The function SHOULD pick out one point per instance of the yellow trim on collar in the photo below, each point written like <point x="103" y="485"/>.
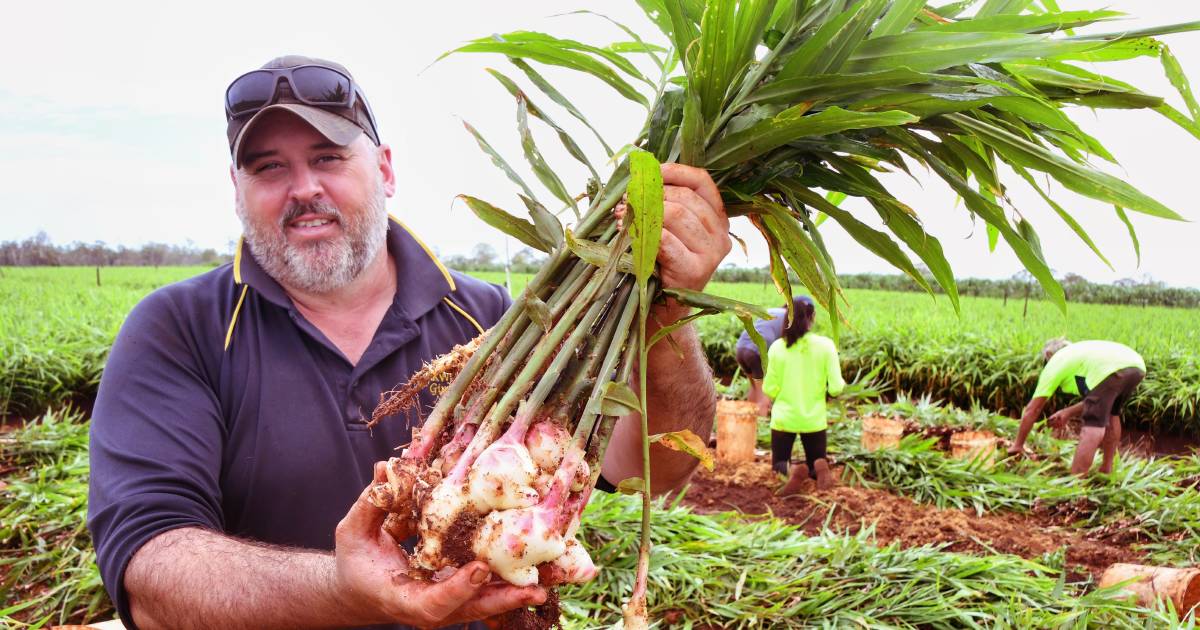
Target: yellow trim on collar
<point x="464" y="313"/>
<point x="445" y="273"/>
<point x="236" y="310"/>
<point x="237" y="267"/>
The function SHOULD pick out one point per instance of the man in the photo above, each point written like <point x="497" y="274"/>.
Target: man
<point x="748" y="358"/>
<point x="1106" y="374"/>
<point x="229" y="451"/>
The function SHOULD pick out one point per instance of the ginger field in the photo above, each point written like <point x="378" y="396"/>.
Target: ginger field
<point x="911" y="539"/>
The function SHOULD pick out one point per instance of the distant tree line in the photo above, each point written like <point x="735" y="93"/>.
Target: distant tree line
<point x="39" y="251"/>
<point x="484" y="257"/>
<point x="1145" y="292"/>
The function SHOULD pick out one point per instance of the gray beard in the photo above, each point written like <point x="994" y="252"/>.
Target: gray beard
<point x="324" y="266"/>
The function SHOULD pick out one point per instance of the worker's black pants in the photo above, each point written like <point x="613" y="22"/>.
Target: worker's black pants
<point x="781" y="449"/>
<point x="1110" y="396"/>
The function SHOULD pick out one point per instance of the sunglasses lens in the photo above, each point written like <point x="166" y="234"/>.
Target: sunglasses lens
<point x="250" y="92"/>
<point x="321" y="86"/>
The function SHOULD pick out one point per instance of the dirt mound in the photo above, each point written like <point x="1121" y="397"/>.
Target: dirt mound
<point x="750" y="489"/>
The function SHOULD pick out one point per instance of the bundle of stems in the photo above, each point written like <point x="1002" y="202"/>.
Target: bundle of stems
<point x="792" y="106"/>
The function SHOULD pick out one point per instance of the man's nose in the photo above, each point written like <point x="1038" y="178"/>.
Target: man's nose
<point x="305" y="185"/>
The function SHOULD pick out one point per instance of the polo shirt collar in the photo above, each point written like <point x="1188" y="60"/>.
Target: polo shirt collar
<point x="421" y="279"/>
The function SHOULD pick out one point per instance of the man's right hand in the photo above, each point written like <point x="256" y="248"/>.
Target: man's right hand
<point x="373" y="580"/>
<point x="1058" y="422"/>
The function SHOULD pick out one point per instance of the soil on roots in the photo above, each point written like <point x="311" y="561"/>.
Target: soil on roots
<point x="750" y="489"/>
<point x="544" y="617"/>
<point x="460" y="536"/>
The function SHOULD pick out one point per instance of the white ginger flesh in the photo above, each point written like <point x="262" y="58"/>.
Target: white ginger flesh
<point x="574" y="566"/>
<point x="502" y="478"/>
<point x="444" y="505"/>
<point x="547" y="444"/>
<point x="514" y="542"/>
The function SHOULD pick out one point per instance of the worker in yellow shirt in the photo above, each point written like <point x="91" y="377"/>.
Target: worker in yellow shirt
<point x="1105" y="374"/>
<point x="802" y="367"/>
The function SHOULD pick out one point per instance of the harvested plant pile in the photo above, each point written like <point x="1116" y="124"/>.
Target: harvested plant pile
<point x="778" y="101"/>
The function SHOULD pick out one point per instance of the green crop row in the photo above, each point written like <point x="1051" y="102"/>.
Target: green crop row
<point x="48" y="573"/>
<point x="56" y="326"/>
<point x="988" y="354"/>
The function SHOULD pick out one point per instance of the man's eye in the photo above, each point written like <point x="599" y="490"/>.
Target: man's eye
<point x="267" y="166"/>
<point x="329" y="158"/>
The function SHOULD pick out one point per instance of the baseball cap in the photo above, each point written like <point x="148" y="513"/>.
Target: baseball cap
<point x="339" y="124"/>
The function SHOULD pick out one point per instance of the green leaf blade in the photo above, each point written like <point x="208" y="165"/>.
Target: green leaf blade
<point x="515" y="227"/>
<point x="645" y="194"/>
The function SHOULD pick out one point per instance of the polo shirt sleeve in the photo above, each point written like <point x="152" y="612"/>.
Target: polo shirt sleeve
<point x="156" y="441"/>
<point x="1052" y="376"/>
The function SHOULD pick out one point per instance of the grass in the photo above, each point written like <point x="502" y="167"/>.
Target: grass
<point x="715" y="569"/>
<point x="989" y="354"/>
<point x="48" y="572"/>
<point x="731" y="572"/>
<point x="56" y="327"/>
<point x="1153" y="498"/>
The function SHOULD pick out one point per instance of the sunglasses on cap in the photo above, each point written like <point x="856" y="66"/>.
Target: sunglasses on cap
<point x="310" y="84"/>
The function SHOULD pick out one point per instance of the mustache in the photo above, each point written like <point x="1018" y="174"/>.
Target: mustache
<point x="295" y="210"/>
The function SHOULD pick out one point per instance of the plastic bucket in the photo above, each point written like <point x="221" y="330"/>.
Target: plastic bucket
<point x="879" y="432"/>
<point x="737" y="430"/>
<point x="1181" y="586"/>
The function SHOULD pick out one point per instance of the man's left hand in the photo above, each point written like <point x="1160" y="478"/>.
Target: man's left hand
<point x="695" y="236"/>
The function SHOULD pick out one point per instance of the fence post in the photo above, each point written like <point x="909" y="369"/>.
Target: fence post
<point x="97" y="275"/>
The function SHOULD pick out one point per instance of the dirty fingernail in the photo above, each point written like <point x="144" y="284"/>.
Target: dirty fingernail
<point x="480" y="575"/>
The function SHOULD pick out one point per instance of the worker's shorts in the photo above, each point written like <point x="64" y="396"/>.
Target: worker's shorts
<point x="1109" y="397"/>
<point x="750" y="362"/>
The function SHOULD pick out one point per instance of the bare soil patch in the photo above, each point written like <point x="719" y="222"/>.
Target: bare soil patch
<point x="750" y="488"/>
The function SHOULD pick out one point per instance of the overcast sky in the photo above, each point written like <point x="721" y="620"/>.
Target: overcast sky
<point x="112" y="126"/>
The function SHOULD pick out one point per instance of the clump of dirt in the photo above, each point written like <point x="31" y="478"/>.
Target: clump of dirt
<point x="1192" y="482"/>
<point x="544" y="617"/>
<point x="750" y="488"/>
<point x="460" y="537"/>
<point x="1065" y="512"/>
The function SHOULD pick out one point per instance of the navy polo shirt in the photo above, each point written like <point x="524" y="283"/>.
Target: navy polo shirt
<point x="222" y="407"/>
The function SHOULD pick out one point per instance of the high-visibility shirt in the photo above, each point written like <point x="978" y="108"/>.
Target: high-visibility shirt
<point x="1086" y="363"/>
<point x="798" y="378"/>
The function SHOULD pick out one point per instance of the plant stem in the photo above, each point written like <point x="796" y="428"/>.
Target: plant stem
<point x="548" y="345"/>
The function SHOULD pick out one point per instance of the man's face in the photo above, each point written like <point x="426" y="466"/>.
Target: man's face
<point x="313" y="212"/>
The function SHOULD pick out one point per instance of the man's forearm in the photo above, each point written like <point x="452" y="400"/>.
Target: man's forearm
<point x="680" y="396"/>
<point x="1032" y="412"/>
<point x="197" y="578"/>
